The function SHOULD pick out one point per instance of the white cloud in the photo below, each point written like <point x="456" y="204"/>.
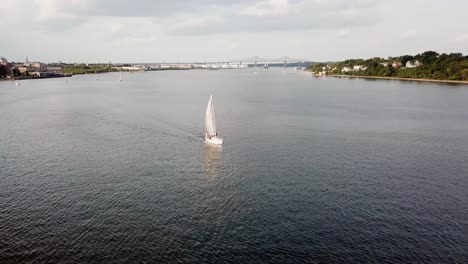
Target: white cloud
<point x="233" y="45"/>
<point x="409" y="34"/>
<point x="128" y="30"/>
<point x="343" y="33"/>
<point x="267" y="8"/>
<point x="462" y="38"/>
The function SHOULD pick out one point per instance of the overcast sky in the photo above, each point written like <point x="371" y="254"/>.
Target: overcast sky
<point x="189" y="30"/>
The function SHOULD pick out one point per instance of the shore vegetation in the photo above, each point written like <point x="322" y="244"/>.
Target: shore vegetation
<point x="87" y="68"/>
<point x="426" y="65"/>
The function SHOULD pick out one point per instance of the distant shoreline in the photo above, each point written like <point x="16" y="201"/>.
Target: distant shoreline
<point x="398" y="79"/>
<point x="36" y="78"/>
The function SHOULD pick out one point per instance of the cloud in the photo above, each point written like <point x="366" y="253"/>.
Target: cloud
<point x="267" y="8"/>
<point x="274" y="15"/>
<point x="343" y="33"/>
<point x="233" y="45"/>
<point x="409" y="34"/>
<point x="120" y="30"/>
<point x="197" y="17"/>
<point x="462" y="38"/>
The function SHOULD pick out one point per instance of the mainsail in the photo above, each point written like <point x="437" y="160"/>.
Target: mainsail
<point x="210" y="124"/>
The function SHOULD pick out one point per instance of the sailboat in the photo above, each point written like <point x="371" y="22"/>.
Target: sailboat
<point x="211" y="135"/>
<point x="265" y="66"/>
<point x="17" y="83"/>
<point x="298" y="66"/>
<point x="120" y="75"/>
<point x="95" y="74"/>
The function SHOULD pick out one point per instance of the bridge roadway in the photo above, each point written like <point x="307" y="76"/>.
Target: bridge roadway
<point x="250" y="60"/>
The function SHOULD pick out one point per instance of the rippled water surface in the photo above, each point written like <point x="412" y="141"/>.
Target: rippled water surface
<point x="312" y="170"/>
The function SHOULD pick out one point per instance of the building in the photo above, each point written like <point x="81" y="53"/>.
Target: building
<point x="396" y="64"/>
<point x="54" y="69"/>
<point x="4" y="67"/>
<point x="45" y="74"/>
<point x="410" y="64"/>
<point x="346" y="69"/>
<point x="359" y="68"/>
<point x="23" y="69"/>
<point x="33" y="66"/>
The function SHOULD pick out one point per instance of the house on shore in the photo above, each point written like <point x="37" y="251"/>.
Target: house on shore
<point x="412" y="64"/>
<point x="396" y="64"/>
<point x="346" y="69"/>
<point x="359" y="68"/>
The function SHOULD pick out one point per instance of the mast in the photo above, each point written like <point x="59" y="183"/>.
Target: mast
<point x="213" y="115"/>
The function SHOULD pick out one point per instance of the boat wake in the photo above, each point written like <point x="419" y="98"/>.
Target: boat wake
<point x="161" y="127"/>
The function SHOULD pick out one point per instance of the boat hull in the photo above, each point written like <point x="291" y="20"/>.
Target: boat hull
<point x="214" y="140"/>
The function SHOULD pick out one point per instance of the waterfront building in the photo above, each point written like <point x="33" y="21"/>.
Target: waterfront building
<point x="346" y="69"/>
<point x="55" y="69"/>
<point x="359" y="68"/>
<point x="396" y="64"/>
<point x="410" y="64"/>
<point x="23" y="69"/>
<point x="34" y="66"/>
<point x="4" y="67"/>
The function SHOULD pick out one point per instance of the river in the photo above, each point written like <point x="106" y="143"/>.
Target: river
<point x="318" y="170"/>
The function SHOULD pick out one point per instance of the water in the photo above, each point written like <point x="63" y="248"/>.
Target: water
<point x="311" y="170"/>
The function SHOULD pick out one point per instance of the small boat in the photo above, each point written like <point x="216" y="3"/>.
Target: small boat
<point x="265" y="66"/>
<point x="214" y="67"/>
<point x="211" y="135"/>
<point x="298" y="66"/>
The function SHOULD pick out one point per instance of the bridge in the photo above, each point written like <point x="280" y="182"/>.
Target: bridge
<point x="232" y="63"/>
<point x="256" y="60"/>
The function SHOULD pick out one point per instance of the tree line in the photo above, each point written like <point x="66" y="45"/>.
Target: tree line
<point x="86" y="69"/>
<point x="453" y="66"/>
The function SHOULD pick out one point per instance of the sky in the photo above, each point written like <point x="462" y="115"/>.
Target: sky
<point x="221" y="30"/>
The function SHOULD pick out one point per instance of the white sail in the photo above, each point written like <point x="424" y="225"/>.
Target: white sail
<point x="211" y="135"/>
<point x="210" y="124"/>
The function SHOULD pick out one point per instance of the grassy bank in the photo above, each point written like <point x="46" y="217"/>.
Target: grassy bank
<point x="85" y="69"/>
<point x="399" y="79"/>
<point x="427" y="66"/>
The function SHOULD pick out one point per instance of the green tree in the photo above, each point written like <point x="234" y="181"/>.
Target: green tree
<point x="429" y="57"/>
<point x="464" y="74"/>
<point x="404" y="59"/>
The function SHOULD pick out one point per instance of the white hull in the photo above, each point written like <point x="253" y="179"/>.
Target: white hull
<point x="214" y="140"/>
